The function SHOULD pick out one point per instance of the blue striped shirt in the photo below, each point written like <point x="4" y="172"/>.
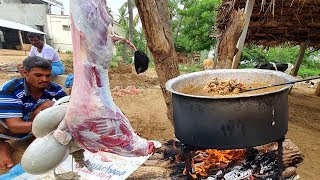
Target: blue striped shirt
<point x="16" y="100"/>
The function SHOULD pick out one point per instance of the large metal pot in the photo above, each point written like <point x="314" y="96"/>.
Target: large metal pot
<point x="230" y="122"/>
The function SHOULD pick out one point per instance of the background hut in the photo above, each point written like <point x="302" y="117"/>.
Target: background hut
<point x="266" y="23"/>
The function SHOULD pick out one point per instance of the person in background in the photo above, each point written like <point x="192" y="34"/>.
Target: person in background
<point x="21" y="100"/>
<point x="41" y="49"/>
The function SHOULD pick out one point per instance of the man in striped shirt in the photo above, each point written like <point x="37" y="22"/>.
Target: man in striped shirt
<point x="21" y="100"/>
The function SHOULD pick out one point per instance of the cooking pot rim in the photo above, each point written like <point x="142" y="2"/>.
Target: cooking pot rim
<point x="285" y="76"/>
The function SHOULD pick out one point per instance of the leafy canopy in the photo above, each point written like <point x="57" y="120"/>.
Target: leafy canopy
<point x="198" y="17"/>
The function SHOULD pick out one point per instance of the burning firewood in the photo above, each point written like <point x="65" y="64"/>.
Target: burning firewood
<point x="205" y="161"/>
<point x="217" y="86"/>
<point x="252" y="163"/>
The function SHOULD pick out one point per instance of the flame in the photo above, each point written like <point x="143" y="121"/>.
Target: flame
<point x="205" y="161"/>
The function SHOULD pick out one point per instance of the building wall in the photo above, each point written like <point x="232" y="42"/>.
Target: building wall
<point x="118" y="29"/>
<point x="9" y="1"/>
<point x="33" y="15"/>
<point x="59" y="34"/>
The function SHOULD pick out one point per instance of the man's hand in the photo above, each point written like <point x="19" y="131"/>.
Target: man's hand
<point x="43" y="106"/>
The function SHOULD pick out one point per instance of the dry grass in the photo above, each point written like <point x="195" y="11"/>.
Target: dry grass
<point x="275" y="22"/>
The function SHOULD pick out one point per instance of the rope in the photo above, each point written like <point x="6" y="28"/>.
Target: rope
<point x="78" y="157"/>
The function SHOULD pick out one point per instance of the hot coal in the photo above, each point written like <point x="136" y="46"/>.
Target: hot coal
<point x="256" y="164"/>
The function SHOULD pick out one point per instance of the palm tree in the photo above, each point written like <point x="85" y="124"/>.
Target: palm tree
<point x="128" y="24"/>
<point x="130" y="12"/>
<point x="123" y="21"/>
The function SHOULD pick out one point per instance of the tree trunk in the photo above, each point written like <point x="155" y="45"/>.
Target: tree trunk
<point x="131" y="27"/>
<point x="124" y="53"/>
<point x="227" y="47"/>
<point x="155" y="18"/>
<point x="179" y="25"/>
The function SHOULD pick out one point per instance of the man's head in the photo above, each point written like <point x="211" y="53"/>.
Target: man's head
<point x="37" y="71"/>
<point x="35" y="39"/>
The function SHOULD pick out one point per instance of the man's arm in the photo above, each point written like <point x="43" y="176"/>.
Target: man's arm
<point x="11" y="108"/>
<point x="17" y="125"/>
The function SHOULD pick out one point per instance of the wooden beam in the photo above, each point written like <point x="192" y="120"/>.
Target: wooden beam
<point x="21" y="40"/>
<point x="240" y="44"/>
<point x="302" y="49"/>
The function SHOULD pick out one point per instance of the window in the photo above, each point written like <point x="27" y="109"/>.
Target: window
<point x="66" y="27"/>
<point x="40" y="27"/>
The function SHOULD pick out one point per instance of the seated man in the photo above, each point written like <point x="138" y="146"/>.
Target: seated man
<point x="21" y="100"/>
<point x="41" y="49"/>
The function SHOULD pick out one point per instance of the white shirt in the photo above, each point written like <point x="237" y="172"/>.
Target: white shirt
<point x="47" y="53"/>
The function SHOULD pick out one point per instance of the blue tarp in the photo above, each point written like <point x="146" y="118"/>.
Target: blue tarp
<point x="13" y="172"/>
<point x="69" y="81"/>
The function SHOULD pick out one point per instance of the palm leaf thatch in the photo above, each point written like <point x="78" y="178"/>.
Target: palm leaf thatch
<point x="276" y="22"/>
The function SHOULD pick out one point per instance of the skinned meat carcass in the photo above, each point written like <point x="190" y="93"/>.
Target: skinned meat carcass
<point x="92" y="118"/>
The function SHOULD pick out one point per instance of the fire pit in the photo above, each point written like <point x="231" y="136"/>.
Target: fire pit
<point x="257" y="163"/>
<point x="231" y="121"/>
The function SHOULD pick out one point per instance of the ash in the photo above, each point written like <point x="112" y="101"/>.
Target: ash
<point x="257" y="165"/>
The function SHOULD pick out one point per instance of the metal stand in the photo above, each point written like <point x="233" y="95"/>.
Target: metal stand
<point x="280" y="158"/>
<point x="187" y="151"/>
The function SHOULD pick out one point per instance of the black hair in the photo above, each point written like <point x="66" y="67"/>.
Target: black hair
<point x="36" y="62"/>
<point x="33" y="35"/>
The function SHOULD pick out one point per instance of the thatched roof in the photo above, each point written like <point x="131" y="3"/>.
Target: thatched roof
<point x="285" y="21"/>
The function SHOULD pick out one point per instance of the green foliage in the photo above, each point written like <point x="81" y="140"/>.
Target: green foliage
<point x="119" y="47"/>
<point x="151" y="63"/>
<point x="68" y="61"/>
<point x="114" y="62"/>
<point x="138" y="36"/>
<point x="254" y="54"/>
<point x="139" y="40"/>
<point x="307" y="71"/>
<point x="189" y="68"/>
<point x="173" y="8"/>
<point x="203" y="55"/>
<point x="283" y="54"/>
<point x="308" y="67"/>
<point x="244" y="66"/>
<point x="198" y="18"/>
<point x="68" y="52"/>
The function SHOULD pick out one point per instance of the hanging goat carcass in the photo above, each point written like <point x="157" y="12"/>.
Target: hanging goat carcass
<point x="92" y="120"/>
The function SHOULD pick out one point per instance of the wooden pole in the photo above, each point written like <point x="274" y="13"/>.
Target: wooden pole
<point x="240" y="44"/>
<point x="302" y="50"/>
<point x="44" y="39"/>
<point x="21" y="40"/>
<point x="317" y="93"/>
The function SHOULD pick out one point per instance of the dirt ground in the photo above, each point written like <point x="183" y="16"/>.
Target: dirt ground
<point x="146" y="111"/>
